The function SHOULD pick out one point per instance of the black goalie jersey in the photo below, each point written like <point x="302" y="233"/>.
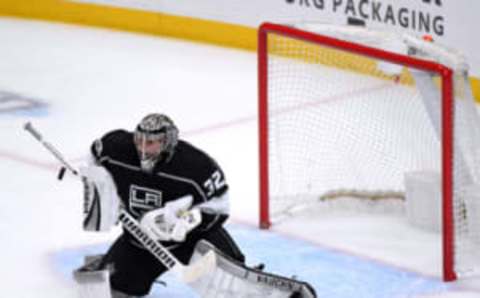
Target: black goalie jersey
<point x="190" y="171"/>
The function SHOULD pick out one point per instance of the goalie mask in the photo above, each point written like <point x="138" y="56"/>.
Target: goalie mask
<point x="155" y="139"/>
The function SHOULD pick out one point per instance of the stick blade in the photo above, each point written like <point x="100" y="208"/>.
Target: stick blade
<point x="61" y="173"/>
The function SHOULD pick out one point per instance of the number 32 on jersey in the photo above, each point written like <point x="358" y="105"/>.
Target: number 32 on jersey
<point x="214" y="183"/>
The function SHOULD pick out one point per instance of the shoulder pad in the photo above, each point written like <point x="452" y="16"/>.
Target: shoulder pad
<point x="111" y="141"/>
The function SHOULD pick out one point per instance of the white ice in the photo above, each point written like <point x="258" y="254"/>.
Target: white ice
<point x="94" y="80"/>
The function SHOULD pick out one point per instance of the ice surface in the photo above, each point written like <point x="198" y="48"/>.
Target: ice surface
<point x="87" y="81"/>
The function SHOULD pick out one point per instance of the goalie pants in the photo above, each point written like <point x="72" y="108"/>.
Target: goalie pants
<point x="134" y="269"/>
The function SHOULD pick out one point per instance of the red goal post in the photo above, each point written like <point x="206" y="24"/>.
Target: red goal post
<point x="265" y="40"/>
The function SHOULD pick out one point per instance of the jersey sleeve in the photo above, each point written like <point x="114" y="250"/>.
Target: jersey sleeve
<point x="214" y="183"/>
<point x="214" y="204"/>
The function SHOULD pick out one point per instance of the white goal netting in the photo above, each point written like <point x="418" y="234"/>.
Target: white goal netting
<point x="343" y="124"/>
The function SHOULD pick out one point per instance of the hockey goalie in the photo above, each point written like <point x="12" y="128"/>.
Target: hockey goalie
<point x="172" y="201"/>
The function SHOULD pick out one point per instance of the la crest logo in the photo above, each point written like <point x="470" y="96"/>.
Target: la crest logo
<point x="143" y="199"/>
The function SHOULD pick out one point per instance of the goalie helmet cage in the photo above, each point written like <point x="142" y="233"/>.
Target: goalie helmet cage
<point x="288" y="61"/>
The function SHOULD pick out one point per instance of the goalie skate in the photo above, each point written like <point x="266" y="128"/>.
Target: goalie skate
<point x="92" y="281"/>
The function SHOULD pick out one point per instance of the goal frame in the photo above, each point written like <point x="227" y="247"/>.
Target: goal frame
<point x="447" y="114"/>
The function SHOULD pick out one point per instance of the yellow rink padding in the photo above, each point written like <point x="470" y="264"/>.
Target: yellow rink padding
<point x="133" y="20"/>
<point x="476" y="88"/>
<point x="214" y="32"/>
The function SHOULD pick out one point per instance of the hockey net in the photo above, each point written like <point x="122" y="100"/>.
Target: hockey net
<point x="347" y="112"/>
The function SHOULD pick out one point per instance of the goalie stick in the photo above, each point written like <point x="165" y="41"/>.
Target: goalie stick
<point x="29" y="127"/>
<point x="187" y="273"/>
